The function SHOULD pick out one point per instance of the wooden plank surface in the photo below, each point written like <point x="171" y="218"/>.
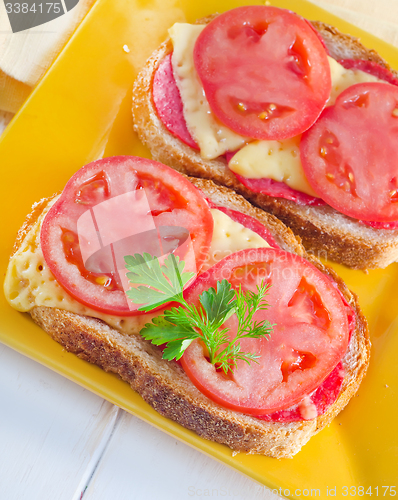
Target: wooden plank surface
<point x="52" y="432"/>
<point x="134" y="467"/>
<point x="59" y="441"/>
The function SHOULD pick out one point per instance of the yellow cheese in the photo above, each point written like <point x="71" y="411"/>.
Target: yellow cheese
<point x="213" y="138"/>
<point x="343" y="78"/>
<point x="230" y="237"/>
<point x="280" y="160"/>
<point x="277" y="160"/>
<point x="29" y="281"/>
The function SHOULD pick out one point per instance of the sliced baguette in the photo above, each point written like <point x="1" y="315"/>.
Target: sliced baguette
<point x="166" y="387"/>
<point x="324" y="231"/>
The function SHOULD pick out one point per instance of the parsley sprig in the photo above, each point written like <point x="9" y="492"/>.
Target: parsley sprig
<point x="177" y="327"/>
<point x="159" y="284"/>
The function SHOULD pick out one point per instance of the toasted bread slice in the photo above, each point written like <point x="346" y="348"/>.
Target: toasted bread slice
<point x="324" y="231"/>
<point x="165" y="386"/>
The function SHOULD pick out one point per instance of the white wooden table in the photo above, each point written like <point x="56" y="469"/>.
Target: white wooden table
<point x="59" y="441"/>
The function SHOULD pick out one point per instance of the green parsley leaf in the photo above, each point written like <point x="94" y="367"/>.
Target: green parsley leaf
<point x="218" y="304"/>
<point x="178" y="327"/>
<point x="177" y="336"/>
<point x="175" y="350"/>
<point x="158" y="284"/>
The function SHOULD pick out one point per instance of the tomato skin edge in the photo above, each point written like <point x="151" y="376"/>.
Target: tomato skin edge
<point x="282" y="130"/>
<point x="50" y="242"/>
<point x="298" y="395"/>
<point x="365" y="209"/>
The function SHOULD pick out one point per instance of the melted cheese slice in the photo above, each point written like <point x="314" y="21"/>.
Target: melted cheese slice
<point x="213" y="138"/>
<point x="280" y="160"/>
<point x="343" y="78"/>
<point x="277" y="160"/>
<point x="30" y="283"/>
<point x="230" y="237"/>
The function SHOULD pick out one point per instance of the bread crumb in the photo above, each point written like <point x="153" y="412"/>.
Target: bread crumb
<point x="126" y="49"/>
<point x="387" y="386"/>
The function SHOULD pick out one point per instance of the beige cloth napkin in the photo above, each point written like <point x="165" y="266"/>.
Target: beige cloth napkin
<point x="377" y="17"/>
<point x="25" y="56"/>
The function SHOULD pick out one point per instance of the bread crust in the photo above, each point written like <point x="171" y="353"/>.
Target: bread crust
<point x="165" y="386"/>
<point x="324" y="231"/>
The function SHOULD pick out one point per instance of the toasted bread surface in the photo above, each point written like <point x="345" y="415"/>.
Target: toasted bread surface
<point x="323" y="230"/>
<point x="165" y="386"/>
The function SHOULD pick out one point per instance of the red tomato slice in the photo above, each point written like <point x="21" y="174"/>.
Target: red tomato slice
<point x="115" y="207"/>
<point x="350" y="155"/>
<point x="309" y="339"/>
<point x="318" y="35"/>
<point x="380" y="225"/>
<point x="264" y="71"/>
<point x="318" y="402"/>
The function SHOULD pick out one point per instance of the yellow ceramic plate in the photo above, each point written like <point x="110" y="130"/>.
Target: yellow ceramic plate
<point x="81" y="111"/>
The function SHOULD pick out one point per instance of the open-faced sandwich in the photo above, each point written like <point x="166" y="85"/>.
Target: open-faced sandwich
<point x="297" y="117"/>
<point x="208" y="307"/>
